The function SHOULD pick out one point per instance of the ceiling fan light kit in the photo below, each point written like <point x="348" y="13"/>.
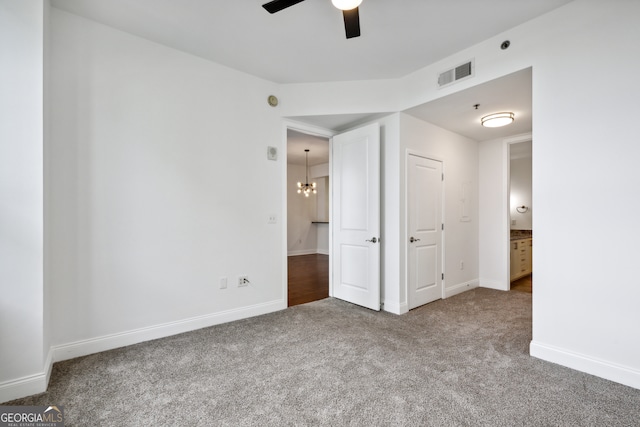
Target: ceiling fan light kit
<point x="346" y="4"/>
<point x="349" y="12"/>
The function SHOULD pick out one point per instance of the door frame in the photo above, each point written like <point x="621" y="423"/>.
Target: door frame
<point x="404" y="238"/>
<point x="506" y="208"/>
<point x="315" y="131"/>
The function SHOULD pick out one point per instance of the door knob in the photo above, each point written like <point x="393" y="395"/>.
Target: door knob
<point x="373" y="240"/>
<point x="411" y="239"/>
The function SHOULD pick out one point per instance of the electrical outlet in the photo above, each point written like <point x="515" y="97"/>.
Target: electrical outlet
<point x="223" y="283"/>
<point x="272" y="219"/>
<point x="243" y="281"/>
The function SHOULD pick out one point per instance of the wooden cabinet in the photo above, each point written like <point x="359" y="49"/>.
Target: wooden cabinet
<point x="521" y="256"/>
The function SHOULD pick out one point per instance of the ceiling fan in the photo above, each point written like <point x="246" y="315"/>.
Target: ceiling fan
<point x="349" y="12"/>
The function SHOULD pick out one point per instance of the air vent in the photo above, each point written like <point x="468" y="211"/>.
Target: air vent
<point x="455" y="74"/>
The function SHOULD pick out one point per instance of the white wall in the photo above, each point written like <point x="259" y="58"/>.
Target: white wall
<point x="583" y="310"/>
<point x="585" y="174"/>
<point x="22" y="336"/>
<point x="398" y="133"/>
<point x="578" y="54"/>
<point x="520" y="193"/>
<point x="150" y="148"/>
<point x="459" y="156"/>
<point x="302" y="235"/>
<point x="322" y="211"/>
<point x="493" y="255"/>
<point x="161" y="186"/>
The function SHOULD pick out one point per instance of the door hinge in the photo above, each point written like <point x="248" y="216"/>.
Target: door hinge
<point x="443" y="225"/>
<point x="443" y="177"/>
<point x="442" y="276"/>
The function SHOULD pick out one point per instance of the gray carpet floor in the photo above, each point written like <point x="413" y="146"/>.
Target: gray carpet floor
<point x="462" y="361"/>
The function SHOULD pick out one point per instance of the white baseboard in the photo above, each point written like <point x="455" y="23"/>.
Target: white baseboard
<point x="395" y="307"/>
<point x="37" y="383"/>
<point x="493" y="284"/>
<point x="29" y="385"/>
<point x="21" y="387"/>
<point x="459" y="288"/>
<point x="302" y="252"/>
<point x="580" y="362"/>
<point x="323" y="251"/>
<point x="122" y="339"/>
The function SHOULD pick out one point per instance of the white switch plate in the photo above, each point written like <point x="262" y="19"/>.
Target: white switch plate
<point x="223" y="283"/>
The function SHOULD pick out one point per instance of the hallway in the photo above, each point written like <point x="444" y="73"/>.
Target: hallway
<point x="308" y="278"/>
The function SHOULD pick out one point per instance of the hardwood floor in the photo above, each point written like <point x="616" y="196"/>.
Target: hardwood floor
<point x="308" y="278"/>
<point x="524" y="284"/>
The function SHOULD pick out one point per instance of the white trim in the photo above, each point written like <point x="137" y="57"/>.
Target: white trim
<point x="308" y="252"/>
<point x="303" y="252"/>
<point x="580" y="362"/>
<point x="37" y="383"/>
<point x="492" y="284"/>
<point x="21" y="387"/>
<point x="460" y="288"/>
<point x="48" y="367"/>
<point x="29" y="385"/>
<point x="395" y="307"/>
<point x="122" y="339"/>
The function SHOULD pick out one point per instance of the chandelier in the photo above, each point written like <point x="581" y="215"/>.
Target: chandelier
<point x="306" y="188"/>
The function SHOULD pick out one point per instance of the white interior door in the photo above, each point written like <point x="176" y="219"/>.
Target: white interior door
<point x="424" y="221"/>
<point x="356" y="216"/>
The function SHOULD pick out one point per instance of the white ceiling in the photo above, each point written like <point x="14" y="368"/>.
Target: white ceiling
<point x="297" y="142"/>
<point x="458" y="114"/>
<point x="306" y="43"/>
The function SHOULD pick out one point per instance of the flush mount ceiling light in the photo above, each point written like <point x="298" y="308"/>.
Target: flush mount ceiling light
<point x="346" y="4"/>
<point x="496" y="120"/>
<point x="307" y="188"/>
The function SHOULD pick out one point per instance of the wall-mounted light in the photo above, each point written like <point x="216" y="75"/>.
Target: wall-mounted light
<point x="522" y="209"/>
<point x="497" y="119"/>
<point x="346" y="4"/>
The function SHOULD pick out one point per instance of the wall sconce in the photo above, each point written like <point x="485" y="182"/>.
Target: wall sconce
<point x="522" y="209"/>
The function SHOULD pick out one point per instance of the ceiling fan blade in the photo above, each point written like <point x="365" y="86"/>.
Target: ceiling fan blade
<point x="351" y="22"/>
<point x="277" y="5"/>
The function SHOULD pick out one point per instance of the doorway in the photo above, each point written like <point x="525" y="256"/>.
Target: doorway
<point x="520" y="217"/>
<point x="307" y="217"/>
